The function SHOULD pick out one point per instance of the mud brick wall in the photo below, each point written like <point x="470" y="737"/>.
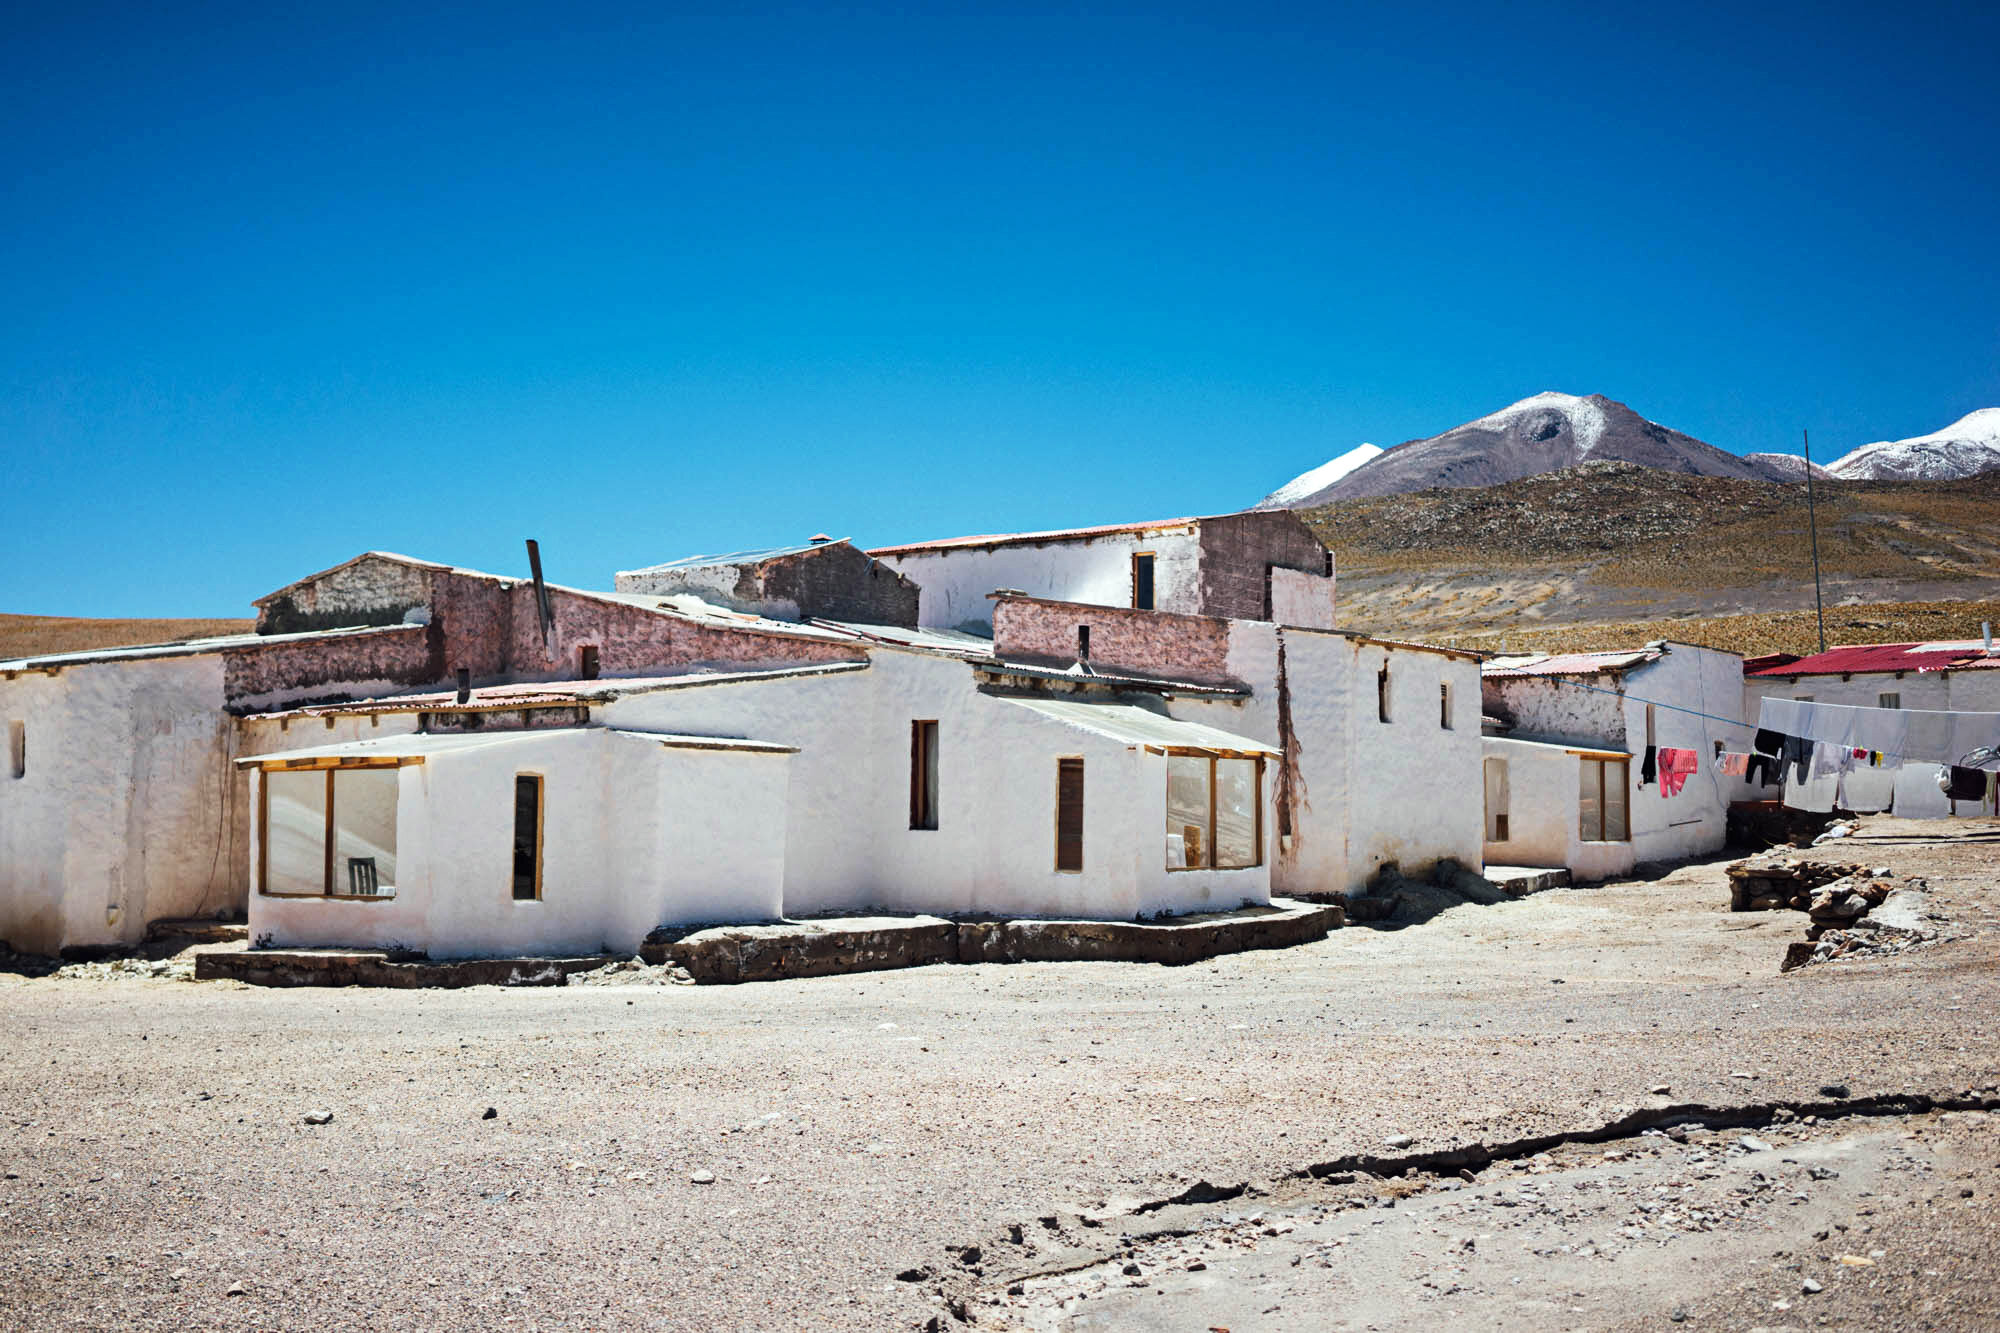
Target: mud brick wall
<point x="303" y="670"/>
<point x="632" y="641"/>
<point x="1145" y="643"/>
<point x="1236" y="548"/>
<point x="837" y="582"/>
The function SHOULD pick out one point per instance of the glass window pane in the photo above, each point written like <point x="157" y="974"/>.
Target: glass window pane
<point x="295" y="831"/>
<point x="1235" y="813"/>
<point x="364" y="831"/>
<point x="1615" y="801"/>
<point x="1590" y="823"/>
<point x="1187" y="811"/>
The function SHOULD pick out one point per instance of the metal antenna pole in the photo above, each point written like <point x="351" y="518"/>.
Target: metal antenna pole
<point x="1812" y="517"/>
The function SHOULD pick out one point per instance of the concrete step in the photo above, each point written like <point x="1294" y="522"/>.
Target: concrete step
<point x="1519" y="881"/>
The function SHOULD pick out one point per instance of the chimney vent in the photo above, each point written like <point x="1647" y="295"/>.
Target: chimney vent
<point x="818" y="539"/>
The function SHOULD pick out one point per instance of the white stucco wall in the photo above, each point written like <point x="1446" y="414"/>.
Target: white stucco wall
<point x="848" y="844"/>
<point x="955" y="581"/>
<point x="1302" y="599"/>
<point x="635" y="836"/>
<point x="1544" y="814"/>
<point x="124" y="815"/>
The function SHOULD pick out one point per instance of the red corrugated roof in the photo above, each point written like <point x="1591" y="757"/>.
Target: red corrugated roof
<point x="1857" y="659"/>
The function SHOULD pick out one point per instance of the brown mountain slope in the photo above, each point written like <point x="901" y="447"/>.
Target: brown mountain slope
<point x="1619" y="543"/>
<point x="25" y="636"/>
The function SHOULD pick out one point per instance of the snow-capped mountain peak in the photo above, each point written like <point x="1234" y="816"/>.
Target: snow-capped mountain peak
<point x="1965" y="448"/>
<point x="1585" y="416"/>
<point x="1321" y="477"/>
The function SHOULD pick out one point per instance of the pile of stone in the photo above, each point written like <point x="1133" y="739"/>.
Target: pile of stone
<point x="1776" y="881"/>
<point x="120" y="969"/>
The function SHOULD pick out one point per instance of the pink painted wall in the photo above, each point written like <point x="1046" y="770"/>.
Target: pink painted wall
<point x="1151" y="643"/>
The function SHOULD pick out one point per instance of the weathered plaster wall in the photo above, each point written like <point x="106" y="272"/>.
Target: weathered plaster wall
<point x="1415" y="793"/>
<point x="1154" y="643"/>
<point x="1705" y="690"/>
<point x="955" y="581"/>
<point x="1238" y="549"/>
<point x="635" y="836"/>
<point x="266" y="676"/>
<point x="124" y="815"/>
<point x="1544" y="816"/>
<point x="1545" y="708"/>
<point x="633" y="641"/>
<point x="1302" y="599"/>
<point x="374" y="590"/>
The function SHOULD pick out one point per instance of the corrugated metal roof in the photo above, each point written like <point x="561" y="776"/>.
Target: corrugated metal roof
<point x="410" y="745"/>
<point x="1076" y="674"/>
<point x="1011" y="538"/>
<point x="186" y="647"/>
<point x="1130" y="725"/>
<point x="1860" y="659"/>
<point x="1568" y="664"/>
<point x="734" y="557"/>
<point x="680" y="741"/>
<point x="955" y="642"/>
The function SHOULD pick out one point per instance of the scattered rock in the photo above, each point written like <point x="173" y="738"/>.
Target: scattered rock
<point x="702" y="1178"/>
<point x="1836" y="1090"/>
<point x="914" y="1275"/>
<point x="1399" y="1140"/>
<point x="1751" y="1143"/>
<point x="490" y="1113"/>
<point x="1811" y="1287"/>
<point x="319" y="1117"/>
<point x="1659" y="1090"/>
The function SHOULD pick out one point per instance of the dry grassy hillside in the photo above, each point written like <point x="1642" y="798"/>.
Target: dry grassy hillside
<point x="1615" y="544"/>
<point x="25" y="636"/>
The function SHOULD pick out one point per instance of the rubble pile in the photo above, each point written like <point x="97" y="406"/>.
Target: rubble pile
<point x="118" y="969"/>
<point x="633" y="971"/>
<point x="1775" y="881"/>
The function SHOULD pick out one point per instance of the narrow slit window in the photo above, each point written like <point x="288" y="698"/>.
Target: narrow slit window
<point x="1142" y="581"/>
<point x="527" y="837"/>
<point x="923" y="775"/>
<point x="1496" y="800"/>
<point x="17" y="749"/>
<point x="1382" y="694"/>
<point x="1444" y="707"/>
<point x="1069" y="816"/>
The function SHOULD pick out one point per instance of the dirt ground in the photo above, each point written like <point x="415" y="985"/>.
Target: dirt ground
<point x="1002" y="1142"/>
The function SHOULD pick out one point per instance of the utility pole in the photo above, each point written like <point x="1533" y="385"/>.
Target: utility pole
<point x="1812" y="519"/>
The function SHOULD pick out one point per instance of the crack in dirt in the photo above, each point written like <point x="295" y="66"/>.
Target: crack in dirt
<point x="977" y="1269"/>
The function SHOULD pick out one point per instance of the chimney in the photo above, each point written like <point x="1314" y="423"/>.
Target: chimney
<point x="818" y="539"/>
<point x="1986" y="633"/>
<point x="465" y="685"/>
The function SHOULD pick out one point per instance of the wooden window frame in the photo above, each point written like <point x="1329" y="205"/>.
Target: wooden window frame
<point x="1153" y="579"/>
<point x="1062" y="765"/>
<point x="1882" y="697"/>
<point x="1444" y="705"/>
<point x="541" y="821"/>
<point x="589" y="662"/>
<point x="1604" y="767"/>
<point x="923" y="775"/>
<point x="1208" y="832"/>
<point x="329" y="767"/>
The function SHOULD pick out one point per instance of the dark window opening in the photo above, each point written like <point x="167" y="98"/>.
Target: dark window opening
<point x="527" y="836"/>
<point x="17" y="748"/>
<point x="1083" y="643"/>
<point x="1270" y="601"/>
<point x="923" y="775"/>
<point x="586" y="662"/>
<point x="1382" y="694"/>
<point x="1069" y="815"/>
<point x="1142" y="582"/>
<point x="1444" y="707"/>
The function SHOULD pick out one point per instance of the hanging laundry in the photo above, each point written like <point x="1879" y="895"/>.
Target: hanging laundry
<point x="1733" y="765"/>
<point x="1647" y="767"/>
<point x="1962" y="784"/>
<point x="1830" y="760"/>
<point x="1675" y="766"/>
<point x="1768" y="742"/>
<point x="1764" y="770"/>
<point x="1797" y="756"/>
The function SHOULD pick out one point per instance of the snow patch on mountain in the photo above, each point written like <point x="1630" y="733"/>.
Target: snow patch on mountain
<point x="1327" y="473"/>
<point x="1586" y="419"/>
<point x="1966" y="448"/>
<point x="1785" y="467"/>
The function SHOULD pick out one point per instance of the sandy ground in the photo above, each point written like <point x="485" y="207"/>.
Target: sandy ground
<point x="156" y="1158"/>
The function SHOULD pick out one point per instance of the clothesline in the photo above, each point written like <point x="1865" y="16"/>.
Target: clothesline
<point x="1736" y="722"/>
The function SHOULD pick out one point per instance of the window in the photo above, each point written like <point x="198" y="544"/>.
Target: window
<point x="1083" y="643"/>
<point x="1382" y="693"/>
<point x="586" y="662"/>
<point x="527" y="837"/>
<point x="1889" y="701"/>
<point x="1142" y="581"/>
<point x="1649" y="726"/>
<point x="923" y="775"/>
<point x="1496" y="800"/>
<point x="1602" y="801"/>
<point x="17" y="748"/>
<point x="329" y="832"/>
<point x="1444" y="707"/>
<point x="1215" y="812"/>
<point x="1069" y="816"/>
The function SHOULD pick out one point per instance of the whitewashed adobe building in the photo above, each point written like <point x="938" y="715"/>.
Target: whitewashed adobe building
<point x="601" y="764"/>
<point x="1571" y="773"/>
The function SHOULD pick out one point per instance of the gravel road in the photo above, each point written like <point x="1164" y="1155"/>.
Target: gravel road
<point x="158" y="1170"/>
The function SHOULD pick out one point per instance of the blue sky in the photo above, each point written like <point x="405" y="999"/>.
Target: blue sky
<point x="286" y="286"/>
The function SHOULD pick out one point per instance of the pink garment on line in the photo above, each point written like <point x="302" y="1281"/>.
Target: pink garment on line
<point x="1734" y="765"/>
<point x="1675" y="765"/>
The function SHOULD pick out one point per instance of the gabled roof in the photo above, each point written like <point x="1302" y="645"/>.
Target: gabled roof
<point x="1860" y="659"/>
<point x="735" y="557"/>
<point x="1131" y="725"/>
<point x="393" y="558"/>
<point x="1568" y="664"/>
